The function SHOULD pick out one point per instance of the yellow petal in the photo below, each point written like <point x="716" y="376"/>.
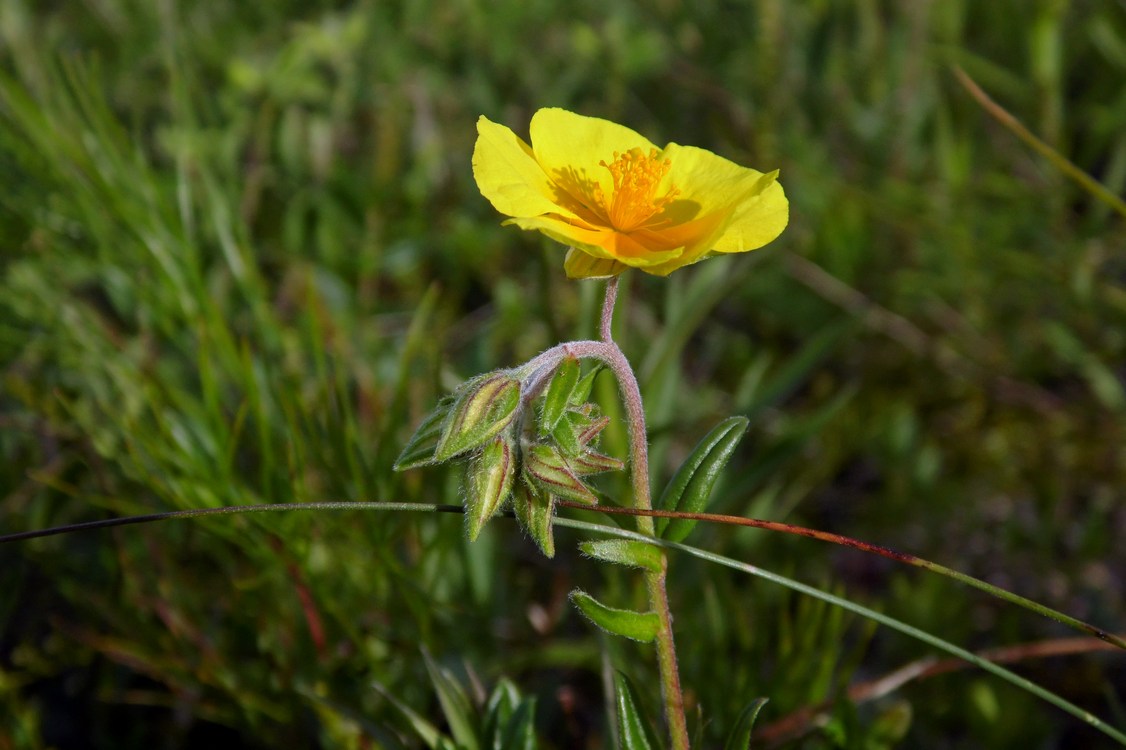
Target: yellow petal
<point x="508" y="174"/>
<point x="761" y="211"/>
<point x="569" y="148"/>
<point x="758" y="219"/>
<point x="591" y="239"/>
<point x="599" y="242"/>
<point x="707" y="230"/>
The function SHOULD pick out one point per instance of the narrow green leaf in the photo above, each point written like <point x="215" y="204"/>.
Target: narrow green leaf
<point x="585" y="385"/>
<point x="740" y="736"/>
<point x="419" y="450"/>
<point x="535" y="512"/>
<point x="426" y="731"/>
<point x="499" y="709"/>
<point x="690" y="487"/>
<point x="490" y="483"/>
<point x="455" y="705"/>
<point x="485" y="406"/>
<point x="549" y="469"/>
<point x="625" y="552"/>
<point x="634" y="730"/>
<point x="520" y="732"/>
<point x="637" y="626"/>
<point x="558" y="394"/>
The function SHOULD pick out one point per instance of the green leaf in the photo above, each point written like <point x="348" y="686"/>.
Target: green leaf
<point x="634" y="730"/>
<point x="583" y="388"/>
<point x="637" y="626"/>
<point x="520" y="732"/>
<point x="420" y="448"/>
<point x="499" y="709"/>
<point x="548" y="468"/>
<point x="455" y="705"/>
<point x="690" y="487"/>
<point x="485" y="406"/>
<point x="740" y="735"/>
<point x="625" y="552"/>
<point x="558" y="394"/>
<point x="535" y="511"/>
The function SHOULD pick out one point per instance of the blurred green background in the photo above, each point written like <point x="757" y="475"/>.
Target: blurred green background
<point x="242" y="254"/>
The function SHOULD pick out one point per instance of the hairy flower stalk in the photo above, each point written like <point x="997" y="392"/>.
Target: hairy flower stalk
<point x="639" y="474"/>
<point x="538" y="372"/>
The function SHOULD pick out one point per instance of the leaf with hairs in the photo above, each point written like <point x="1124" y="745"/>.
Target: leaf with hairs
<point x="690" y="487"/>
<point x="637" y="626"/>
<point x="634" y="730"/>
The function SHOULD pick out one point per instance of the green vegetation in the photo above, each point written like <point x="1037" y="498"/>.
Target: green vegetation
<point x="242" y="256"/>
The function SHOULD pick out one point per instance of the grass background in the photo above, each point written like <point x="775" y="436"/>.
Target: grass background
<point x="241" y="255"/>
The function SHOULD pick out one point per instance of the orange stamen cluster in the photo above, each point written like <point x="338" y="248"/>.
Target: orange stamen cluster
<point x="636" y="178"/>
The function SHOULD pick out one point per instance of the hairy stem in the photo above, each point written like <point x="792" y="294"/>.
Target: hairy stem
<point x="639" y="474"/>
<point x="536" y="373"/>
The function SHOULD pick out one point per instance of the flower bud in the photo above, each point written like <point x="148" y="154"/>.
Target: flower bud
<point x="485" y="406"/>
<point x="490" y="483"/>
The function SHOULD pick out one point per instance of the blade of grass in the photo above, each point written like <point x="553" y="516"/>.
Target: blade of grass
<point x="1057" y="159"/>
<point x="891" y="554"/>
<point x="890" y="622"/>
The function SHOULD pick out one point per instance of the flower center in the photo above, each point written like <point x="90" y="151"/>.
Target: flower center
<point x="636" y="177"/>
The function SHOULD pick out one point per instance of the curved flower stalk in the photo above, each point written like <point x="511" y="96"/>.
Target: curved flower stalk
<point x="619" y="201"/>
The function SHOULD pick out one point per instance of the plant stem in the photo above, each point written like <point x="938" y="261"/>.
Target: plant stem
<point x="612" y="355"/>
<point x="535" y="374"/>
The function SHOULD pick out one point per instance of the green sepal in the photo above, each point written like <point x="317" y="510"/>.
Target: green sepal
<point x="690" y="487"/>
<point x="535" y="511"/>
<point x="566" y="436"/>
<point x="420" y="448"/>
<point x="585" y="385"/>
<point x="740" y="736"/>
<point x="490" y="483"/>
<point x="579" y="429"/>
<point x="590" y="432"/>
<point x="593" y="462"/>
<point x="635" y="732"/>
<point x="580" y="265"/>
<point x="626" y="552"/>
<point x="637" y="626"/>
<point x="551" y="471"/>
<point x="558" y="394"/>
<point x="485" y="406"/>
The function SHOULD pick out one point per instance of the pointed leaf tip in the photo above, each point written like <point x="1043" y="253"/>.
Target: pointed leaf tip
<point x="627" y="623"/>
<point x="552" y="472"/>
<point x="558" y="394"/>
<point x="691" y="486"/>
<point x="535" y="512"/>
<point x="490" y="483"/>
<point x="419" y="450"/>
<point x="635" y="732"/>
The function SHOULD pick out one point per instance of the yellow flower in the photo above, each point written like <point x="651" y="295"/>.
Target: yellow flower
<point x="618" y="200"/>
